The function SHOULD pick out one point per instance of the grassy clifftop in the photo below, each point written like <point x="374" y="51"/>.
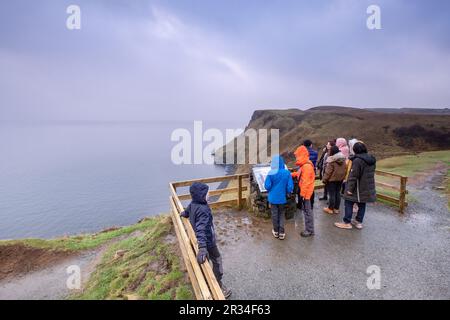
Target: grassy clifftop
<point x="84" y="241"/>
<point x="386" y="133"/>
<point x="141" y="261"/>
<point x="148" y="267"/>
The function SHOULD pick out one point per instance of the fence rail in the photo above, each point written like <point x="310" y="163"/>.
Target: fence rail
<point x="400" y="201"/>
<point x="202" y="278"/>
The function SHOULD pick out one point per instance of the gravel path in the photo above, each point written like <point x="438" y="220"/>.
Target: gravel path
<point x="412" y="251"/>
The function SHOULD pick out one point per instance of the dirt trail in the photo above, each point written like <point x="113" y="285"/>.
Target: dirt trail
<point x="46" y="279"/>
<point x="18" y="259"/>
<point x="48" y="283"/>
<point x="431" y="178"/>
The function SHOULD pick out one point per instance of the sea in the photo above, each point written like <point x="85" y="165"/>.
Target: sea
<point x="66" y="178"/>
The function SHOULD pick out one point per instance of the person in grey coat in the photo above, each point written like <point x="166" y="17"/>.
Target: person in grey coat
<point x="360" y="187"/>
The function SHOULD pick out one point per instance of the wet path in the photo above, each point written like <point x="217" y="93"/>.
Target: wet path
<point x="412" y="251"/>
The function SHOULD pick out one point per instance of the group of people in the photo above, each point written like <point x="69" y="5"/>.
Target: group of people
<point x="347" y="171"/>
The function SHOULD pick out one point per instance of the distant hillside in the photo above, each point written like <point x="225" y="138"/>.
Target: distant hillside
<point x="445" y="111"/>
<point x="385" y="133"/>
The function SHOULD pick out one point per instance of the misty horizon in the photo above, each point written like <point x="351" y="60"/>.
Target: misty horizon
<point x="160" y="61"/>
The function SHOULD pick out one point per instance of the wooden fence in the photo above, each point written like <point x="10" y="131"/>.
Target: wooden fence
<point x="203" y="281"/>
<point x="400" y="201"/>
<point x="202" y="278"/>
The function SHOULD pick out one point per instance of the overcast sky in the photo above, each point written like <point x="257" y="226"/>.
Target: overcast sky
<point x="218" y="60"/>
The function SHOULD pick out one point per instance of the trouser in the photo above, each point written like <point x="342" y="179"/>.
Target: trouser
<point x="325" y="191"/>
<point x="300" y="201"/>
<point x="349" y="211"/>
<point x="309" y="216"/>
<point x="216" y="259"/>
<point x="278" y="217"/>
<point x="334" y="194"/>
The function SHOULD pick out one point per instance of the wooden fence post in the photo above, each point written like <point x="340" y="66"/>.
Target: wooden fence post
<point x="239" y="200"/>
<point x="403" y="192"/>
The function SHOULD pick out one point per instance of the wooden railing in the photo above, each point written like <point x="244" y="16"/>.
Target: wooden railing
<point x="400" y="201"/>
<point x="203" y="281"/>
<point x="239" y="186"/>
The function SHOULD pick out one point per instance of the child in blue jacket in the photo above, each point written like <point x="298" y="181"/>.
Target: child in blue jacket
<point x="201" y="218"/>
<point x="279" y="184"/>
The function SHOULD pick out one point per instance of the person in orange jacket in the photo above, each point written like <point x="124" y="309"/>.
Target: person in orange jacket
<point x="306" y="179"/>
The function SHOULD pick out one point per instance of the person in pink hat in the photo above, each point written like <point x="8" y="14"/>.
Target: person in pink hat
<point x="341" y="143"/>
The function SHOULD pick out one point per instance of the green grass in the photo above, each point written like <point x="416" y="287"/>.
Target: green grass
<point x="149" y="269"/>
<point x="82" y="242"/>
<point x="412" y="164"/>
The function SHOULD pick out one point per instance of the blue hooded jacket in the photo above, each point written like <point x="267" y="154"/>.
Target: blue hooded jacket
<point x="313" y="156"/>
<point x="200" y="216"/>
<point x="278" y="182"/>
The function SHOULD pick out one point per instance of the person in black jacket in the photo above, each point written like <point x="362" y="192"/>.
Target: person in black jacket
<point x="360" y="187"/>
<point x="200" y="216"/>
<point x="322" y="164"/>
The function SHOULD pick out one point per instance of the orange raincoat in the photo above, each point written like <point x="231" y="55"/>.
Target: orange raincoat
<point x="306" y="175"/>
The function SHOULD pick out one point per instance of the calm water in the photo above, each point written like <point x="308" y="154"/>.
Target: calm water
<point x="65" y="179"/>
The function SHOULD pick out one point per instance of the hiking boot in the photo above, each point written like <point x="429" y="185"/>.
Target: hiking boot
<point x="275" y="234"/>
<point x="306" y="234"/>
<point x="343" y="225"/>
<point x="358" y="225"/>
<point x="328" y="210"/>
<point x="336" y="211"/>
<point x="281" y="236"/>
<point x="226" y="292"/>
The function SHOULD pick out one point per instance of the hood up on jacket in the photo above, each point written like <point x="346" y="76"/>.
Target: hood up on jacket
<point x="302" y="155"/>
<point x="277" y="164"/>
<point x="198" y="192"/>
<point x="351" y="143"/>
<point x="338" y="157"/>
<point x="367" y="158"/>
